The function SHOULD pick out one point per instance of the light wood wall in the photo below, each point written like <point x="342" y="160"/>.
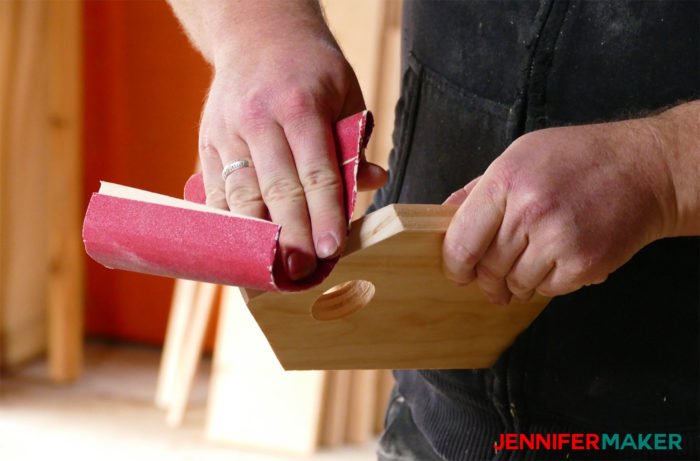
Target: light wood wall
<point x="369" y="33"/>
<point x="40" y="179"/>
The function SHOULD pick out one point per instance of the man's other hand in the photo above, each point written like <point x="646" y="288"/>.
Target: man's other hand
<point x="561" y="208"/>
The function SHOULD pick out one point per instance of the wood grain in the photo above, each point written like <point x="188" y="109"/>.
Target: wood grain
<point x="23" y="204"/>
<point x="362" y="403"/>
<point x="8" y="38"/>
<point x="40" y="178"/>
<point x="65" y="284"/>
<point x="416" y="318"/>
<point x="336" y="403"/>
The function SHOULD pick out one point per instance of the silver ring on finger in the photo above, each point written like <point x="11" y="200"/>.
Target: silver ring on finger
<point x="233" y="166"/>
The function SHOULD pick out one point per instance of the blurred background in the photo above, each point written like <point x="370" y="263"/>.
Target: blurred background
<point x="109" y="363"/>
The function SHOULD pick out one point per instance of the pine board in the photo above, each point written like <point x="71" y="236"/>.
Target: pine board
<point x="416" y="319"/>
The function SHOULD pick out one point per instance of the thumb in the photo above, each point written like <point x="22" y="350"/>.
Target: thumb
<point x="370" y="176"/>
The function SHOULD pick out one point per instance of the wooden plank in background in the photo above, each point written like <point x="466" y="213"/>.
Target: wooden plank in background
<point x="23" y="205"/>
<point x="385" y="384"/>
<point x="178" y="327"/>
<point x="363" y="401"/>
<point x="358" y="28"/>
<point x="369" y="33"/>
<point x="40" y="178"/>
<point x="191" y="351"/>
<point x="253" y="402"/>
<point x="8" y="38"/>
<point x="336" y="403"/>
<point x="386" y="82"/>
<point x="64" y="199"/>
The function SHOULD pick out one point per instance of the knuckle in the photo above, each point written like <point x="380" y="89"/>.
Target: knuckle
<point x="522" y="142"/>
<point x="578" y="269"/>
<point x="211" y="190"/>
<point x="215" y="197"/>
<point x="283" y="190"/>
<point x="253" y="113"/>
<point x="502" y="178"/>
<point x="535" y="207"/>
<point x="532" y="140"/>
<point x="207" y="152"/>
<point x="320" y="179"/>
<point x="298" y="104"/>
<point x="560" y="285"/>
<point x="460" y="253"/>
<point x="241" y="195"/>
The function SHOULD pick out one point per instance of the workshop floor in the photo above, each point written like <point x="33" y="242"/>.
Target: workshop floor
<point x="109" y="415"/>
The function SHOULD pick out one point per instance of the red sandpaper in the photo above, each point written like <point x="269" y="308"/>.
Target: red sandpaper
<point x="231" y="250"/>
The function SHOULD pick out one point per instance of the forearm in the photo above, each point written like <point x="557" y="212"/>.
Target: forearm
<point x="222" y="29"/>
<point x="188" y="13"/>
<point x="679" y="138"/>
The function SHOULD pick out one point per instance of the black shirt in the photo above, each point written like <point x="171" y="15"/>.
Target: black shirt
<point x="618" y="357"/>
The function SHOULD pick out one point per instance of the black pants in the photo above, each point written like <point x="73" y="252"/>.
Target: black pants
<point x="402" y="440"/>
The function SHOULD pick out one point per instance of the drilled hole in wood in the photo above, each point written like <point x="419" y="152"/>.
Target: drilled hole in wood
<point x="342" y="300"/>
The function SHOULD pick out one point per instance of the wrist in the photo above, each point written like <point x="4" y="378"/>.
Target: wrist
<point x="261" y="48"/>
<point x="679" y="127"/>
<point x="642" y="145"/>
<point x="247" y="30"/>
<point x="662" y="147"/>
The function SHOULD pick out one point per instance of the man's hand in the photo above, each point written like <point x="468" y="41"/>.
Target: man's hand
<point x="275" y="107"/>
<point x="561" y="208"/>
<point x="280" y="83"/>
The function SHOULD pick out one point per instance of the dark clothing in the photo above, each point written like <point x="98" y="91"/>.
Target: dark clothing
<point x="618" y="357"/>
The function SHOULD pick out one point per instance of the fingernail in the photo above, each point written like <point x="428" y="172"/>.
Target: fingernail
<point x="501" y="300"/>
<point x="327" y="246"/>
<point x="299" y="265"/>
<point x="458" y="279"/>
<point x="522" y="299"/>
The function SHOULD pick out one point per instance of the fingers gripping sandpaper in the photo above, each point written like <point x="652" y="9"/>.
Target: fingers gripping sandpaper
<point x="139" y="231"/>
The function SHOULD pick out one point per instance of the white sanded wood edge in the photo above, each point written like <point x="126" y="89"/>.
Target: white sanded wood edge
<point x="131" y="193"/>
<point x="392" y="219"/>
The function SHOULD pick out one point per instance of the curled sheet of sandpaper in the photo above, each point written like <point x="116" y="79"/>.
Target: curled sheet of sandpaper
<point x="199" y="243"/>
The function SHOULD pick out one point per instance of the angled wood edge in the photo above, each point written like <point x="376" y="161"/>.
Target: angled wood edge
<point x="392" y="219"/>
